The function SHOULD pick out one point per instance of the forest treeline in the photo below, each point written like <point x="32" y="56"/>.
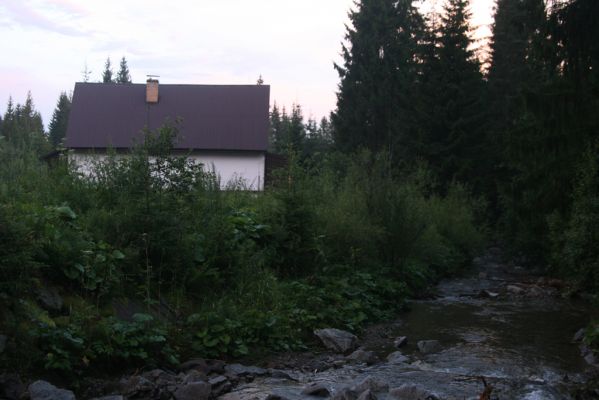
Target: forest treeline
<point x="430" y="151"/>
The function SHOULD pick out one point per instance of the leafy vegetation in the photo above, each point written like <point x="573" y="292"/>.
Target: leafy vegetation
<point x="214" y="272"/>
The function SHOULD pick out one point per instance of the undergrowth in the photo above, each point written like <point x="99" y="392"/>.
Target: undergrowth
<point x="209" y="272"/>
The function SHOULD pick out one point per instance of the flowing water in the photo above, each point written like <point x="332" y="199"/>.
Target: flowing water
<point x="522" y="344"/>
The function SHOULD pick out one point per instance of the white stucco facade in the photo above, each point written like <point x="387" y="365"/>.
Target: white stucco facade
<point x="239" y="169"/>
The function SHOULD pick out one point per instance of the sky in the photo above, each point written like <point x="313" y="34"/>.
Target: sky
<point x="45" y="45"/>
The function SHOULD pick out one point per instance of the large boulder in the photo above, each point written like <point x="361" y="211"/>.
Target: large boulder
<point x="363" y="356"/>
<point x="316" y="389"/>
<point x="193" y="391"/>
<point x="243" y="370"/>
<point x="397" y="358"/>
<point x="42" y="390"/>
<point x="337" y="340"/>
<point x="412" y="392"/>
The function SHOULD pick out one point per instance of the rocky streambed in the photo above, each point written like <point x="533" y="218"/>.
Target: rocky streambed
<point x="497" y="334"/>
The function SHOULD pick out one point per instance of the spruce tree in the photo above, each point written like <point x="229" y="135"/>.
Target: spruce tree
<point x="123" y="76"/>
<point x="453" y="143"/>
<point x="378" y="76"/>
<point x="107" y="74"/>
<point x="58" y="125"/>
<point x="8" y="120"/>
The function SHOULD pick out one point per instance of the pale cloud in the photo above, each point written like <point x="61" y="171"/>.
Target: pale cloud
<point x="293" y="44"/>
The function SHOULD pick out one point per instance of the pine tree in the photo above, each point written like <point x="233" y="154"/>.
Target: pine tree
<point x="23" y="127"/>
<point x="58" y="125"/>
<point x="123" y="76"/>
<point x="107" y="74"/>
<point x="8" y="120"/>
<point x="453" y="87"/>
<point x="378" y="76"/>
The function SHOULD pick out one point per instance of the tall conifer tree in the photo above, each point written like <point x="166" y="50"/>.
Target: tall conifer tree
<point x="58" y="125"/>
<point x="378" y="74"/>
<point x="123" y="76"/>
<point x="453" y="142"/>
<point x="107" y="74"/>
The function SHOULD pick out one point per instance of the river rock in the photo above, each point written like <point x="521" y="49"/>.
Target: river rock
<point x="136" y="386"/>
<point x="243" y="370"/>
<point x="345" y="394"/>
<point x="337" y="340"/>
<point x="367" y="395"/>
<point x="194" y="376"/>
<point x="579" y="335"/>
<point x="429" y="346"/>
<point x="278" y="374"/>
<point x="370" y="383"/>
<point x="397" y="358"/>
<point x="42" y="390"/>
<point x="363" y="356"/>
<point x="193" y="391"/>
<point x="49" y="298"/>
<point x="400" y="341"/>
<point x="112" y="397"/>
<point x="412" y="392"/>
<point x="316" y="389"/>
<point x="516" y="290"/>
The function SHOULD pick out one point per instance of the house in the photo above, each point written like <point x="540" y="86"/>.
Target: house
<point x="224" y="127"/>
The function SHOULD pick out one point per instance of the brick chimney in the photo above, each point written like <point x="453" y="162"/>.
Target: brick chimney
<point x="152" y="90"/>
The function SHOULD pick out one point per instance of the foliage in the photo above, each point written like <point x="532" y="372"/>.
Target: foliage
<point x="57" y="129"/>
<point x="378" y="76"/>
<point x="123" y="75"/>
<point x="107" y="73"/>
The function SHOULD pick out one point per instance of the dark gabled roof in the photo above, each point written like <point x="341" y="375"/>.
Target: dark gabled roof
<point x="219" y="117"/>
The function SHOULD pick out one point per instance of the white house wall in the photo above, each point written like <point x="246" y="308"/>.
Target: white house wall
<point x="234" y="169"/>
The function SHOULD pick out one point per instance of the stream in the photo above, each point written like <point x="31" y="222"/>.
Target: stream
<point x="498" y="323"/>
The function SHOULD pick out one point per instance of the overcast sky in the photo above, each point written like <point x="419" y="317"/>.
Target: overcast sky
<point x="45" y="44"/>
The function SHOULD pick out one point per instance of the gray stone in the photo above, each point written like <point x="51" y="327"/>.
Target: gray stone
<point x="400" y="341"/>
<point x="316" y="389"/>
<point x="345" y="394"/>
<point x="135" y="385"/>
<point x="194" y="376"/>
<point x="412" y="392"/>
<point x="193" y="391"/>
<point x="370" y="383"/>
<point x="243" y="370"/>
<point x="363" y="356"/>
<point x="429" y="346"/>
<point x="278" y="374"/>
<point x="217" y="380"/>
<point x="367" y="395"/>
<point x="49" y="298"/>
<point x="516" y="290"/>
<point x="337" y="340"/>
<point x="42" y="390"/>
<point x="579" y="335"/>
<point x="397" y="358"/>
